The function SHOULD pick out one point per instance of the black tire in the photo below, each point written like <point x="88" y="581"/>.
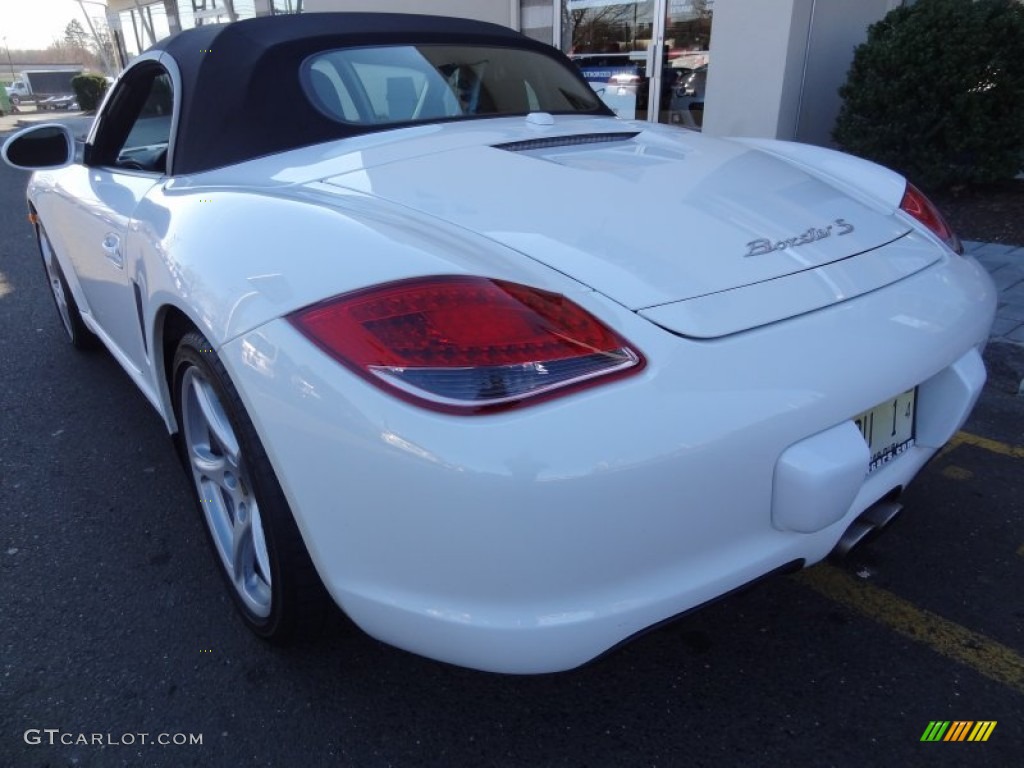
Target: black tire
<point x="235" y="490"/>
<point x="75" y="330"/>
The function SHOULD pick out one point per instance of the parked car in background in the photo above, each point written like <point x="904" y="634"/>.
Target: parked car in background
<point x="687" y="104"/>
<point x="694" y="83"/>
<point x="508" y="379"/>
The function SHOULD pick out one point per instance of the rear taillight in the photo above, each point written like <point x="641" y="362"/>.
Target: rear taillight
<point x="921" y="208"/>
<point x="466" y="343"/>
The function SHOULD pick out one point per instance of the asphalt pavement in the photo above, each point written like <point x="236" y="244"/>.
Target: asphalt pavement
<point x="114" y="622"/>
<point x="79" y="122"/>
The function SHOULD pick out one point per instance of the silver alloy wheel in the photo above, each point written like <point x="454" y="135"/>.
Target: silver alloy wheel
<point x="56" y="283"/>
<point x="229" y="506"/>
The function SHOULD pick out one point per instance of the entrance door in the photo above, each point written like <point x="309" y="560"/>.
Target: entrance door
<point x="612" y="42"/>
<point x="647" y="59"/>
<point x="687" y="37"/>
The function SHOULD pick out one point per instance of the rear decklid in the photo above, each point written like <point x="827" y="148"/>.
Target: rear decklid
<point x="653" y="216"/>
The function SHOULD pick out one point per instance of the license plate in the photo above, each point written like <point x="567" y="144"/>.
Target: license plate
<point x="888" y="428"/>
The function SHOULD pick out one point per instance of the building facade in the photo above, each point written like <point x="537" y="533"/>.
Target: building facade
<point x="768" y="68"/>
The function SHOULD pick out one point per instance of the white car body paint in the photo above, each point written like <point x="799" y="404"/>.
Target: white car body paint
<point x="535" y="539"/>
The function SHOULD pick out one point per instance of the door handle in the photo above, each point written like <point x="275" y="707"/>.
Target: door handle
<point x="112" y="249"/>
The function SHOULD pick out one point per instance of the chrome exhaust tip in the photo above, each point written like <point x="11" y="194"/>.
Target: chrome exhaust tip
<point x="871" y="521"/>
<point x="881" y="513"/>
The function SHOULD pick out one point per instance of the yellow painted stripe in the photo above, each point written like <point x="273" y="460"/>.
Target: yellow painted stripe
<point x="990" y="726"/>
<point x="993" y="446"/>
<point x="957" y="473"/>
<point x="948" y="447"/>
<point x="987" y="657"/>
<point x="1020" y="550"/>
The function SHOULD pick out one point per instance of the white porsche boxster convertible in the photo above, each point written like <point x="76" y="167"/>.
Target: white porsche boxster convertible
<point x="507" y="378"/>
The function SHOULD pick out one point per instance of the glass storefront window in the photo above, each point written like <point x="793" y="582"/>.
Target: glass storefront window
<point x="609" y="41"/>
<point x="687" y="38"/>
<point x="616" y="46"/>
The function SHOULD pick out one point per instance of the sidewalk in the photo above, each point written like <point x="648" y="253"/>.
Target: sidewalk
<point x="79" y="122"/>
<point x="1006" y="265"/>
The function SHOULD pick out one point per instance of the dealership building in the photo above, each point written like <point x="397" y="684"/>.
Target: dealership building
<point x="768" y="68"/>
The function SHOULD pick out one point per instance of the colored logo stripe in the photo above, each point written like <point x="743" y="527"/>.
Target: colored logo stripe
<point x="935" y="730"/>
<point x="958" y="730"/>
<point x="982" y="730"/>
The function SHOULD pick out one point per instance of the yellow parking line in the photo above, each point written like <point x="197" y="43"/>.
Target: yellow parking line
<point x="987" y="657"/>
<point x="957" y="473"/>
<point x="993" y="446"/>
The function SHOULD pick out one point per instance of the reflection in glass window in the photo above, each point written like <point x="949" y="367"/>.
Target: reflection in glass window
<point x="610" y="41"/>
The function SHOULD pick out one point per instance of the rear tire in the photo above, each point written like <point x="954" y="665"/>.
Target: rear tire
<point x="75" y="329"/>
<point x="250" y="526"/>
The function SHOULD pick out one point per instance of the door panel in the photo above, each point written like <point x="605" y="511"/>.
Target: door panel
<point x="126" y="157"/>
<point x="103" y="204"/>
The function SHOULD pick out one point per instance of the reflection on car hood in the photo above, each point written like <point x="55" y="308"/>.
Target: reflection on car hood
<point x="647" y="216"/>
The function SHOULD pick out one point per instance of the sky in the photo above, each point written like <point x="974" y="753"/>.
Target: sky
<point x="30" y="24"/>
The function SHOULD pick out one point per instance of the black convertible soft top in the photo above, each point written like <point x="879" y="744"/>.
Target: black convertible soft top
<point x="241" y="96"/>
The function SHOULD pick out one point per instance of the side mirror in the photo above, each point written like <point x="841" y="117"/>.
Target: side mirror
<point x="41" y="147"/>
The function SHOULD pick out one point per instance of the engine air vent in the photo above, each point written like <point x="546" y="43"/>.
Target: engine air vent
<point x="549" y="142"/>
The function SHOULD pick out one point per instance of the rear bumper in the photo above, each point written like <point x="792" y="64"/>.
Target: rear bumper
<point x="532" y="541"/>
<point x="820" y="481"/>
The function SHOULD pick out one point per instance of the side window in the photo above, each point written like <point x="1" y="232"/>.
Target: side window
<point x="151" y="131"/>
<point x="135" y="127"/>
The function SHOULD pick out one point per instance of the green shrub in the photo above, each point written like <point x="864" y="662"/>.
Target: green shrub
<point x="89" y="90"/>
<point x="937" y="92"/>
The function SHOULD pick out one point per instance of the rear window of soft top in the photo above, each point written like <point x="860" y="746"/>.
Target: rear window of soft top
<point x="415" y="83"/>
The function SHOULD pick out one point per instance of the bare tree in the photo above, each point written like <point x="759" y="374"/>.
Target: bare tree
<point x="75" y="36"/>
<point x="101" y="44"/>
<point x="702" y="8"/>
<point x="599" y="27"/>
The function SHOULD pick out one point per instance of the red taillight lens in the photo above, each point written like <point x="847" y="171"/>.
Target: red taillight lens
<point x="921" y="208"/>
<point x="466" y="343"/>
